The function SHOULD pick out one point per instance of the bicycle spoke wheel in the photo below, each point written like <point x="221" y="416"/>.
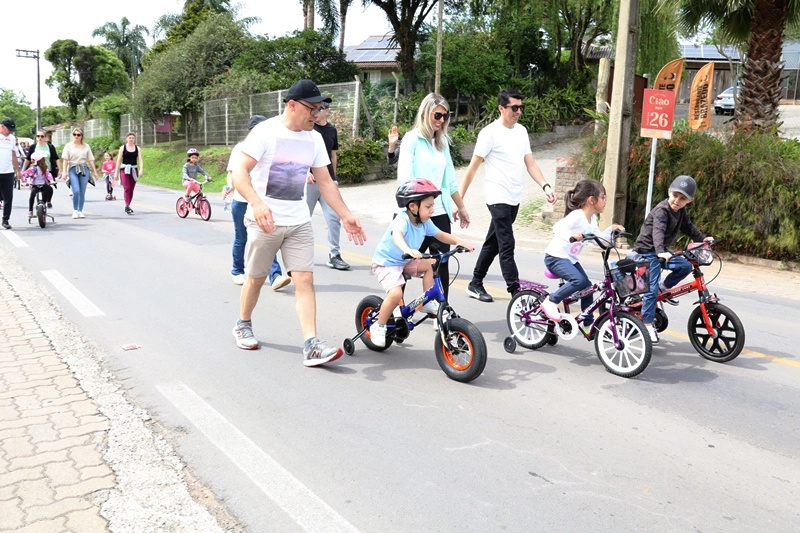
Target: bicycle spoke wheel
<point x="181" y="207"/>
<point x="41" y="215"/>
<point x="467" y="358"/>
<point x="632" y="355"/>
<point x="204" y="208"/>
<point x="366" y="307"/>
<point x="528" y="327"/>
<point x="729" y="330"/>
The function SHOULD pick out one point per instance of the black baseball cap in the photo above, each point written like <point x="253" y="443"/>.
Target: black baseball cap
<point x="8" y="123"/>
<point x="306" y="90"/>
<point x="254" y="121"/>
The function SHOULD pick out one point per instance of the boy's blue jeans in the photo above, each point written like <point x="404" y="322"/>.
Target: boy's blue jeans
<point x="238" y="209"/>
<point x="679" y="267"/>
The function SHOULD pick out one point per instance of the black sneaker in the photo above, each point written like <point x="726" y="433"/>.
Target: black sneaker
<point x="49" y="205"/>
<point x="336" y="261"/>
<point x="128" y="210"/>
<point x="479" y="293"/>
<point x="6" y="225"/>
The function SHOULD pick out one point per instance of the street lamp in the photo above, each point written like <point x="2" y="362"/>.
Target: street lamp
<point x="34" y="54"/>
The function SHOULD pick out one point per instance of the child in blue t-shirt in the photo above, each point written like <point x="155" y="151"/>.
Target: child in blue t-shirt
<point x="405" y="236"/>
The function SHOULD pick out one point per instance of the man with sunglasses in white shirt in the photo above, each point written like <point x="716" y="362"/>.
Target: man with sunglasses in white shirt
<point x="505" y="147"/>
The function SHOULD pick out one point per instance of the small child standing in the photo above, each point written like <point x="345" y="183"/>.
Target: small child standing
<point x="405" y="236"/>
<point x="583" y="204"/>
<point x="108" y="168"/>
<point x="190" y="171"/>
<point x="37" y="175"/>
<point x="659" y="232"/>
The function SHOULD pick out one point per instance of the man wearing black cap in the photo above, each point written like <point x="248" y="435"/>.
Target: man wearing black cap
<point x="9" y="167"/>
<point x="269" y="171"/>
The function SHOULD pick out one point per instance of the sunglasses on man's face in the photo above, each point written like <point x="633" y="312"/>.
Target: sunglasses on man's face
<point x="440" y="116"/>
<point x="515" y="108"/>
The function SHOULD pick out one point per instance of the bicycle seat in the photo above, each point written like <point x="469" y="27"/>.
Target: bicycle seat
<point x="550" y="275"/>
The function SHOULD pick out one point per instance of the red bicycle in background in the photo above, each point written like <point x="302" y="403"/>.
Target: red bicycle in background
<point x="715" y="331"/>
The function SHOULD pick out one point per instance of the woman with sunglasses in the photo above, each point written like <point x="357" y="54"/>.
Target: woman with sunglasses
<point x="426" y="155"/>
<point x="78" y="164"/>
<point x="48" y="151"/>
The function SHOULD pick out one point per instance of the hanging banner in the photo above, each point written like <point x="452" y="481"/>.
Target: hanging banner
<point x="700" y="104"/>
<point x="669" y="77"/>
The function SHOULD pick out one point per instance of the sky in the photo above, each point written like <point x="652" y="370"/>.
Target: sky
<point x="59" y="20"/>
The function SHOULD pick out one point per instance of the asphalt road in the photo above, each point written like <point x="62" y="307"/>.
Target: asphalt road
<point x="542" y="441"/>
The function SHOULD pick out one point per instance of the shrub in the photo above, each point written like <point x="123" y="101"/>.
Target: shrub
<point x="354" y="157"/>
<point x="104" y="144"/>
<point x="748" y="186"/>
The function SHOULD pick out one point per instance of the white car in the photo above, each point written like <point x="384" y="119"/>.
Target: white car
<point x="723" y="103"/>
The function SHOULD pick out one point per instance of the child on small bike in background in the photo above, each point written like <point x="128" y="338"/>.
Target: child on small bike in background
<point x="190" y="171"/>
<point x="38" y="175"/>
<point x="108" y="168"/>
<point x="582" y="205"/>
<point x="405" y="236"/>
<point x="658" y="233"/>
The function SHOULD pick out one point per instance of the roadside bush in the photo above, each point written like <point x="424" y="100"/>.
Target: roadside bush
<point x="748" y="186"/>
<point x="355" y="156"/>
<point x="104" y="144"/>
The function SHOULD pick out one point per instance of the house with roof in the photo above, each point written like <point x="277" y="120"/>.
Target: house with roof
<point x="376" y="57"/>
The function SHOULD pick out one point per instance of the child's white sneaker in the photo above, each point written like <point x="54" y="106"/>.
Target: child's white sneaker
<point x="432" y="308"/>
<point x="653" y="333"/>
<point x="550" y="309"/>
<point x="377" y="334"/>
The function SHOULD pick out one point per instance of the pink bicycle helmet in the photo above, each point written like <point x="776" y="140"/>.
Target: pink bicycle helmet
<point x="192" y="151"/>
<point x="415" y="190"/>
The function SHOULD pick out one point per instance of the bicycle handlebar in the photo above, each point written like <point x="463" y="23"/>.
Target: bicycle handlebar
<point x="456" y="250"/>
<point x="602" y="243"/>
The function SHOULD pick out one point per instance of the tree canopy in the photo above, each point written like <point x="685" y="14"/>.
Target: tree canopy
<point x="16" y="107"/>
<point x="126" y="41"/>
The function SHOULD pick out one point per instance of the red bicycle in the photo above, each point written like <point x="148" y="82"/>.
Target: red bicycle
<point x="197" y="201"/>
<point x="715" y="331"/>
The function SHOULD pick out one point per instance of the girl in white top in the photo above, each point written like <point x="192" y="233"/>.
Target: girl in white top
<point x="583" y="204"/>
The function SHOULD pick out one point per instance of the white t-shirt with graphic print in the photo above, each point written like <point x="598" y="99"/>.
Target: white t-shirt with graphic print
<point x="284" y="158"/>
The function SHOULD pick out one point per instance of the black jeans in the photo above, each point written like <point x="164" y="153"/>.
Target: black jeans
<point x="499" y="241"/>
<point x="443" y="223"/>
<point x="7" y="193"/>
<point x="47" y="195"/>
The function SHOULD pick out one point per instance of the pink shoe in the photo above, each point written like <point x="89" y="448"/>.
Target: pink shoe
<point x="550" y="309"/>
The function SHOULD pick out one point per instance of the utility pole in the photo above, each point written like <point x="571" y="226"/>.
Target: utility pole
<point x="34" y="54"/>
<point x="615" y="177"/>
<point x="438" y="82"/>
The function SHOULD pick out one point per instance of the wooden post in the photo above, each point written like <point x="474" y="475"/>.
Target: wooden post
<point x="615" y="177"/>
<point x="600" y="103"/>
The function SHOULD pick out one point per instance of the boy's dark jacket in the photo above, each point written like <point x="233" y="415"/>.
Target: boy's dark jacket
<point x="661" y="228"/>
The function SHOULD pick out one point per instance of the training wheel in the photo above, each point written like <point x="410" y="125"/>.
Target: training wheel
<point x="349" y="346"/>
<point x="510" y="344"/>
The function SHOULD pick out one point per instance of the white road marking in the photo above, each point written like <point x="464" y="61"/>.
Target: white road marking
<point x="72" y="294"/>
<point x="15" y="239"/>
<point x="277" y="483"/>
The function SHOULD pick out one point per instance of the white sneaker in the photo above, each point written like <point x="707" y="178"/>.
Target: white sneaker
<point x="70" y="192"/>
<point x="432" y="308"/>
<point x="377" y="334"/>
<point x="238" y="279"/>
<point x="75" y="214"/>
<point x="653" y="333"/>
<point x="280" y="282"/>
<point x="550" y="309"/>
<point x="80" y="214"/>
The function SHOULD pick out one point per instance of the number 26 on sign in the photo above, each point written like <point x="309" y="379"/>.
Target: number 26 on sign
<point x="658" y="111"/>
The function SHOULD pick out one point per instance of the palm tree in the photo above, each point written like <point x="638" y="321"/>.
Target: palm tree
<point x="217" y="6"/>
<point x="761" y="24"/>
<point x="126" y="41"/>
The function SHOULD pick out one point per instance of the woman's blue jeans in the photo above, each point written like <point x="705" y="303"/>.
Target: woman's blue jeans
<point x="78" y="186"/>
<point x="238" y="209"/>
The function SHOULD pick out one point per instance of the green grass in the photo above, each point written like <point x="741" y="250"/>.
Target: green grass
<point x="163" y="166"/>
<point x="530" y="211"/>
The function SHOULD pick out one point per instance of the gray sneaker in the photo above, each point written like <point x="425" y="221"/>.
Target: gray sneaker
<point x="316" y="353"/>
<point x="243" y="333"/>
<point x="336" y="261"/>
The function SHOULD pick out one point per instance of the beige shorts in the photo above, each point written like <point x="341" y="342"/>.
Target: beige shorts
<point x="392" y="276"/>
<point x="296" y="244"/>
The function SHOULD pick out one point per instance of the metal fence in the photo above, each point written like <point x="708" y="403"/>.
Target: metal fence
<point x="98" y="127"/>
<point x="224" y="121"/>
